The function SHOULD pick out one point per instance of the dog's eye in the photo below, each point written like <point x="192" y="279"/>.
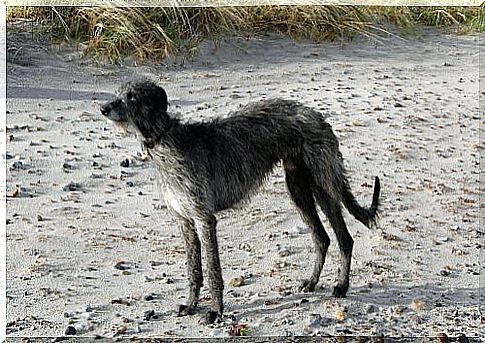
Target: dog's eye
<point x="129" y="96"/>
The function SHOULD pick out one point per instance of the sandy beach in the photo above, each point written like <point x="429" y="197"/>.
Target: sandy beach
<point x="91" y="246"/>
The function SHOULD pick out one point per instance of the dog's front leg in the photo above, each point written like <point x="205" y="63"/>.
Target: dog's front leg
<point x="216" y="284"/>
<point x="194" y="266"/>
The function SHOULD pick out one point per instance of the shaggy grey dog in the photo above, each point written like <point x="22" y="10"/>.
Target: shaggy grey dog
<point x="207" y="167"/>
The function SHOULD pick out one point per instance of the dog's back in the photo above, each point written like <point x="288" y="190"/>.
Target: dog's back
<point x="243" y="148"/>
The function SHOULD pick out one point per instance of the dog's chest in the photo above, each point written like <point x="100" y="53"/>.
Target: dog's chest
<point x="173" y="181"/>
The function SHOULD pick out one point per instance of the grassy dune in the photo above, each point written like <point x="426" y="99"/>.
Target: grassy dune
<point x="113" y="32"/>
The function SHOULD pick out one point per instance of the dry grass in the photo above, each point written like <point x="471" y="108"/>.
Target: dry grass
<point x="115" y="32"/>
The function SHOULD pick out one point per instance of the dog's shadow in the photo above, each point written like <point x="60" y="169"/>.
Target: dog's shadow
<point x="380" y="296"/>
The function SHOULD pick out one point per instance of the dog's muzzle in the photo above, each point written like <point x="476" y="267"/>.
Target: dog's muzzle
<point x="106" y="109"/>
<point x="111" y="111"/>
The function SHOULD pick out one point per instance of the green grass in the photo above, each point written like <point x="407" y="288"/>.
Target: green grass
<point x="115" y="32"/>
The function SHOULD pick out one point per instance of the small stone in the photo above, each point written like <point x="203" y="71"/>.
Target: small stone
<point x="370" y="308"/>
<point x="445" y="272"/>
<point x="120" y="301"/>
<point x="129" y="184"/>
<point x="121" y="330"/>
<point x="284" y="251"/>
<point x="122" y="265"/>
<point x="66" y="166"/>
<point x="398" y="309"/>
<point x="417" y="305"/>
<point x="125" y="163"/>
<point x="13" y="193"/>
<point x="70" y="330"/>
<point x="71" y="187"/>
<point x="443" y="239"/>
<point x="236" y="282"/>
<point x="339" y="315"/>
<point x="147" y="315"/>
<point x="17" y="165"/>
<point x="246" y="247"/>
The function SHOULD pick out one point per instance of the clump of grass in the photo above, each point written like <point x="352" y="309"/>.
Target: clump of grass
<point x="317" y="23"/>
<point x="115" y="32"/>
<point x="448" y="16"/>
<point x="157" y="32"/>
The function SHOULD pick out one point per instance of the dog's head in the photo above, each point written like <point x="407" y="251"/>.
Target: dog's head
<point x="141" y="106"/>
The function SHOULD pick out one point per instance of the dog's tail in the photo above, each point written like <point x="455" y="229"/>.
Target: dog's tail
<point x="366" y="216"/>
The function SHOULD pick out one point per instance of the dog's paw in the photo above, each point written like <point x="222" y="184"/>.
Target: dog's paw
<point x="306" y="286"/>
<point x="211" y="317"/>
<point x="340" y="291"/>
<point x="184" y="310"/>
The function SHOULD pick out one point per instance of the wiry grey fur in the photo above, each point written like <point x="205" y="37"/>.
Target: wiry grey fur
<point x="208" y="167"/>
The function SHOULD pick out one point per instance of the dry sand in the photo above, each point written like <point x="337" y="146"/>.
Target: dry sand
<point x="91" y="244"/>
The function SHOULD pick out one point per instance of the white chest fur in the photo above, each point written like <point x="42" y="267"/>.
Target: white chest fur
<point x="172" y="200"/>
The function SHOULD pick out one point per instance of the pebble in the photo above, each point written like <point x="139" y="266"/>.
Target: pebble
<point x="148" y="314"/>
<point x="121" y="301"/>
<point x="417" y="305"/>
<point x="122" y="265"/>
<point x="125" y="163"/>
<point x="66" y="166"/>
<point x="236" y="282"/>
<point x="13" y="193"/>
<point x="71" y="186"/>
<point x="339" y="315"/>
<point x="445" y="272"/>
<point x="443" y="239"/>
<point x="284" y="251"/>
<point x="17" y="165"/>
<point x="70" y="330"/>
<point x="19" y="192"/>
<point x="370" y="308"/>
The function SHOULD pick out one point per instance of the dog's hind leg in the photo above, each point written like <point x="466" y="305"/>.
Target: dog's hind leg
<point x="300" y="189"/>
<point x="216" y="284"/>
<point x="333" y="211"/>
<point x="194" y="266"/>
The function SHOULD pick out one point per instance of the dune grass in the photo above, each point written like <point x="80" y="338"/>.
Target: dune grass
<point x="114" y="32"/>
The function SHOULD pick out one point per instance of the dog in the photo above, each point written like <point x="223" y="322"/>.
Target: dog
<point x="210" y="166"/>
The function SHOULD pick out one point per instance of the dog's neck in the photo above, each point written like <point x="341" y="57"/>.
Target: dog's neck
<point x="160" y="131"/>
